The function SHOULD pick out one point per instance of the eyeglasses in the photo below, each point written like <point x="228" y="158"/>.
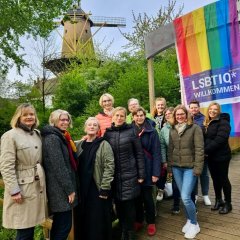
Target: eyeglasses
<point x="180" y="114"/>
<point x="64" y="120"/>
<point x="109" y="100"/>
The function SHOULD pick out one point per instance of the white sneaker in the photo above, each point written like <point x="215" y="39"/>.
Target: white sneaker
<point x="196" y="198"/>
<point x="192" y="231"/>
<point x="160" y="195"/>
<point x="206" y="200"/>
<point x="186" y="226"/>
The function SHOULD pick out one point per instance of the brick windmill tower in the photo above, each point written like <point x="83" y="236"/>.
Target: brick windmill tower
<point x="77" y="39"/>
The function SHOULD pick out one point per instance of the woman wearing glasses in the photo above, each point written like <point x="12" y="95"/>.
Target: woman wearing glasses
<point x="59" y="161"/>
<point x="185" y="161"/>
<point x="104" y="118"/>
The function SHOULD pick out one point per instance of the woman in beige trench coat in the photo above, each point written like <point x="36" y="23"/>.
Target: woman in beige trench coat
<point x="20" y="164"/>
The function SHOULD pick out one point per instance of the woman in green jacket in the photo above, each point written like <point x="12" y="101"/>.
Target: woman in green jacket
<point x="96" y="170"/>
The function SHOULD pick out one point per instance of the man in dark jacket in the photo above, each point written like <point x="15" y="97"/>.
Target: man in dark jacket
<point x="198" y="118"/>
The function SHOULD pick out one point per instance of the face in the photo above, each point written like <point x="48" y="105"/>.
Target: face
<point x="213" y="111"/>
<point x="181" y="116"/>
<point x="63" y="122"/>
<point x="28" y="117"/>
<point x="194" y="109"/>
<point x="160" y="106"/>
<point x="168" y="115"/>
<point x="119" y="118"/>
<point x="92" y="127"/>
<point x="107" y="103"/>
<point x="139" y="118"/>
<point x="133" y="105"/>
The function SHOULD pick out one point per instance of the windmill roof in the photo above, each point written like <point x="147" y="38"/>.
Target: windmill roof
<point x="79" y="12"/>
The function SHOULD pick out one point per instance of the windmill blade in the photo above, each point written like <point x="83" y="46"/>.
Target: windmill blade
<point x="99" y="21"/>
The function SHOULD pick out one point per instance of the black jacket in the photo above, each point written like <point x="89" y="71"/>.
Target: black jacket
<point x="60" y="177"/>
<point x="129" y="161"/>
<point x="152" y="150"/>
<point x="216" y="137"/>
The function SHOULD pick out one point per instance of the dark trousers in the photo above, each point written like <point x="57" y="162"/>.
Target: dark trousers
<point x="25" y="234"/>
<point x="61" y="226"/>
<point x="176" y="193"/>
<point x="145" y="201"/>
<point x="219" y="174"/>
<point x="162" y="180"/>
<point x="126" y="213"/>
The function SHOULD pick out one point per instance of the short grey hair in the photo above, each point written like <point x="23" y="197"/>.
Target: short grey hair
<point x="55" y="115"/>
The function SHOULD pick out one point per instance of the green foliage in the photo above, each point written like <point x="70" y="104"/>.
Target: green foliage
<point x="7" y="108"/>
<point x="19" y="18"/>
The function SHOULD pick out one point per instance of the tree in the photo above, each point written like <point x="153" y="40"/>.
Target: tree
<point x="19" y="18"/>
<point x="144" y="24"/>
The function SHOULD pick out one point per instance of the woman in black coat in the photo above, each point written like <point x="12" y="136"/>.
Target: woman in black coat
<point x="218" y="154"/>
<point x="145" y="129"/>
<point x="129" y="169"/>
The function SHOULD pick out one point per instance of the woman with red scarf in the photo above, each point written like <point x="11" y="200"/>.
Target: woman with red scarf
<point x="60" y="167"/>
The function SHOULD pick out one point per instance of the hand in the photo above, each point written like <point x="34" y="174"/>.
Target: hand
<point x="140" y="180"/>
<point x="154" y="179"/>
<point x="17" y="198"/>
<point x="103" y="197"/>
<point x="71" y="197"/>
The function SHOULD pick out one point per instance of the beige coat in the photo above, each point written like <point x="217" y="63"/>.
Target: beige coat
<point x="20" y="166"/>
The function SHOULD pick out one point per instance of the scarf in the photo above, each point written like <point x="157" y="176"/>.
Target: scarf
<point x="72" y="150"/>
<point x="180" y="128"/>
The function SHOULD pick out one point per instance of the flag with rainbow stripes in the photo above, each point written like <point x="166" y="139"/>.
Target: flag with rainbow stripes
<point x="208" y="49"/>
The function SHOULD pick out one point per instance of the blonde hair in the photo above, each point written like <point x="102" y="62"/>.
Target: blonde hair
<point x="18" y="113"/>
<point x="55" y="115"/>
<point x="207" y="118"/>
<point x="120" y="109"/>
<point x="154" y="111"/>
<point x="182" y="107"/>
<point x="91" y="119"/>
<point x="106" y="95"/>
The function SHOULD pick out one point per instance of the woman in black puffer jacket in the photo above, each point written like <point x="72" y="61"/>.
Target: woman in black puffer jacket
<point x="129" y="169"/>
<point x="218" y="154"/>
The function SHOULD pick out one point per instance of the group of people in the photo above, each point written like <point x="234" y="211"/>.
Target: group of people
<point x="122" y="161"/>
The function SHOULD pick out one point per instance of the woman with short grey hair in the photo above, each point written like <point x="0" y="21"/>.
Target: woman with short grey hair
<point x="60" y="164"/>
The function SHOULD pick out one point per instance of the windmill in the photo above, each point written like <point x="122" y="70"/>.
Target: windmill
<point x="77" y="36"/>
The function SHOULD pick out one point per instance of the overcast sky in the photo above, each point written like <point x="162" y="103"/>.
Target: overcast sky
<point x="114" y="8"/>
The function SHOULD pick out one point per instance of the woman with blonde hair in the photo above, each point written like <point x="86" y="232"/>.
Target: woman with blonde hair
<point x="60" y="164"/>
<point x="24" y="204"/>
<point x="158" y="116"/>
<point x="106" y="101"/>
<point x="129" y="169"/>
<point x="185" y="161"/>
<point x="218" y="155"/>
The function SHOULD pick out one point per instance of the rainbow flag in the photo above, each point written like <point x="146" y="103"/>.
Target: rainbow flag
<point x="208" y="48"/>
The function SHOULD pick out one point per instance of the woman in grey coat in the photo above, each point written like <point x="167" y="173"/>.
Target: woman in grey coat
<point x="60" y="167"/>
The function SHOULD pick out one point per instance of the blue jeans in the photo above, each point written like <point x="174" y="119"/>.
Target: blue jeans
<point x="186" y="181"/>
<point x="204" y="180"/>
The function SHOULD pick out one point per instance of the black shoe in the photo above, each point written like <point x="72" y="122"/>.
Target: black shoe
<point x="175" y="210"/>
<point x="226" y="208"/>
<point x="219" y="203"/>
